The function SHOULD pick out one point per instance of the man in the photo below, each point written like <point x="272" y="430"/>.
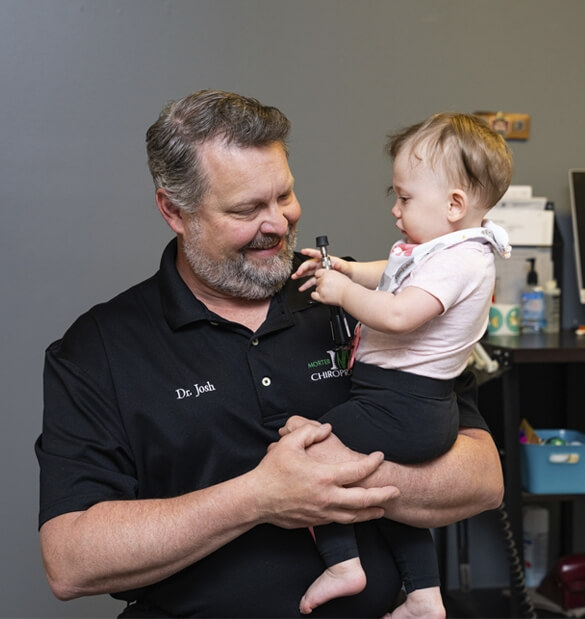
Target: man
<point x="163" y="479"/>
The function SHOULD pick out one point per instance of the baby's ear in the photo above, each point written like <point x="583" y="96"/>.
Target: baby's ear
<point x="458" y="204"/>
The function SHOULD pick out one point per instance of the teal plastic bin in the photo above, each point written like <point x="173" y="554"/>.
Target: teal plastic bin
<point x="554" y="469"/>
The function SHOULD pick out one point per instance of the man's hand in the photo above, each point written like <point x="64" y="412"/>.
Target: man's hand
<point x="296" y="490"/>
<point x="296" y="421"/>
<point x="328" y="451"/>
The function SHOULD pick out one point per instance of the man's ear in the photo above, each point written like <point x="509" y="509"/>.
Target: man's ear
<point x="171" y="213"/>
<point x="458" y="203"/>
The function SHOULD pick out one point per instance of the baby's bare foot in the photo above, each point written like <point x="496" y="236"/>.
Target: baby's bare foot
<point x="345" y="578"/>
<point x="421" y="604"/>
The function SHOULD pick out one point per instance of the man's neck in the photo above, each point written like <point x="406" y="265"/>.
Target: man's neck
<point x="250" y="313"/>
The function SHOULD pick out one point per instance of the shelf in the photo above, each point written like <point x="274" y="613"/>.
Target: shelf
<point x="528" y="497"/>
<point x="563" y="356"/>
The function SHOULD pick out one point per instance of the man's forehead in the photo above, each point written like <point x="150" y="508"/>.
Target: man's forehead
<point x="242" y="171"/>
<point x="219" y="155"/>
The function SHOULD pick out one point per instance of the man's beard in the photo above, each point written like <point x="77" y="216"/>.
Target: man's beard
<point x="241" y="277"/>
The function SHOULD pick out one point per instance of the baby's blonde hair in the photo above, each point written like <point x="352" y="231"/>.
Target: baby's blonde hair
<point x="465" y="148"/>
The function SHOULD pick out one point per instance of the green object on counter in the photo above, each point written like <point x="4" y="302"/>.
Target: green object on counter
<point x="555" y="440"/>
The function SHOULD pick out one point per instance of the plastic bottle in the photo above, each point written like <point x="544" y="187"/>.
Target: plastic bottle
<point x="532" y="319"/>
<point x="552" y="307"/>
<point x="535" y="521"/>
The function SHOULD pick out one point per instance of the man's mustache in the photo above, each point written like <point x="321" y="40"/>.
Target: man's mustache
<point x="266" y="241"/>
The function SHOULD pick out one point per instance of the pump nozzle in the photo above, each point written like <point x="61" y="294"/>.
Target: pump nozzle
<point x="532" y="277"/>
<point x="322" y="242"/>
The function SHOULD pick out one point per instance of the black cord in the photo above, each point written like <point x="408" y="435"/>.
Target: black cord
<point x="517" y="580"/>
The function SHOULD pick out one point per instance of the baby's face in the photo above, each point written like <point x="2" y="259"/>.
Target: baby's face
<point x="422" y="198"/>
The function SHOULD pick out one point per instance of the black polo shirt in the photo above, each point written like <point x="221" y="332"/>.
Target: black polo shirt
<point x="152" y="395"/>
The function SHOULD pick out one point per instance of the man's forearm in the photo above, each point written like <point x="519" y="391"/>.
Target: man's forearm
<point x="463" y="482"/>
<point x="119" y="545"/>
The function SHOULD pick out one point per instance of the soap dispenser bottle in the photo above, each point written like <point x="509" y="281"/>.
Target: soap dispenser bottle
<point x="532" y="316"/>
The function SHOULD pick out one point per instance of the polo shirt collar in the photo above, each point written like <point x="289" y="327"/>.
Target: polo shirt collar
<point x="181" y="307"/>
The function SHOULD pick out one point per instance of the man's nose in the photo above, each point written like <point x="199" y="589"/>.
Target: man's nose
<point x="279" y="218"/>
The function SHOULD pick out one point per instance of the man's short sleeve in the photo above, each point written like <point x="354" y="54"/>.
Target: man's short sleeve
<point x="83" y="451"/>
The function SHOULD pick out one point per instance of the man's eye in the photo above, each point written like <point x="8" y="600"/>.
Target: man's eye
<point x="245" y="212"/>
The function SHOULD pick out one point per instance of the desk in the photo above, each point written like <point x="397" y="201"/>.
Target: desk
<point x="511" y="352"/>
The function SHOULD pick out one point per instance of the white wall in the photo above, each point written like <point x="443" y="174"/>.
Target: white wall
<point x="80" y="81"/>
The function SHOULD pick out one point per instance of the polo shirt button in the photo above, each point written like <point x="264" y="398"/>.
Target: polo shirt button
<point x="266" y="382"/>
<point x="255" y="341"/>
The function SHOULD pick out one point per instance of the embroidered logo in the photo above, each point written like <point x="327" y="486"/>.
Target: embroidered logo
<point x="194" y="390"/>
<point x="335" y="365"/>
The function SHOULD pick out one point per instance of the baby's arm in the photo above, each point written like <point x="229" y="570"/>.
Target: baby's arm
<point x="379" y="310"/>
<point x="367" y="274"/>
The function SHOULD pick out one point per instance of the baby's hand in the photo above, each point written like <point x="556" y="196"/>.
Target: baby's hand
<point x="308" y="267"/>
<point x="330" y="286"/>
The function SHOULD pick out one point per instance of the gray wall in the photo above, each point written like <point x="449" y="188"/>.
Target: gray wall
<point x="80" y="80"/>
